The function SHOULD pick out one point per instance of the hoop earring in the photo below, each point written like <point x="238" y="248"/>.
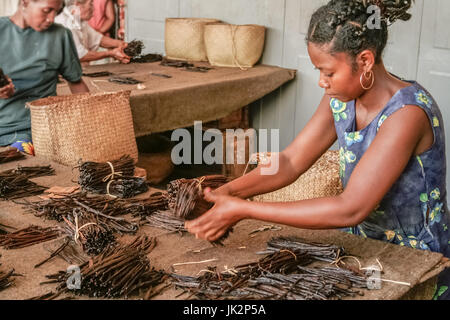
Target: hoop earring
<point x="371" y="75"/>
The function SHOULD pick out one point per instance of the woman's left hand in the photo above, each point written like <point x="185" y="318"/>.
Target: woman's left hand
<point x="123" y="45"/>
<point x="226" y="212"/>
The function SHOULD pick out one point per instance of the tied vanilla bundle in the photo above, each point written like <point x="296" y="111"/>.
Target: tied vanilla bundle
<point x="114" y="178"/>
<point x="186" y="199"/>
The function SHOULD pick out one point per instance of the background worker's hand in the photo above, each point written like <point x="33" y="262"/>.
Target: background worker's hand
<point x="225" y="213"/>
<point x="7" y="91"/>
<point x="123" y="45"/>
<point x="118" y="54"/>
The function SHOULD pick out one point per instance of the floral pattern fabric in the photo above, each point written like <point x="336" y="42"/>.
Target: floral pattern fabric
<point x="414" y="212"/>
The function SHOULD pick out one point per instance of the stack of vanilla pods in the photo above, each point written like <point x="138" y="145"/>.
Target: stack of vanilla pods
<point x="134" y="48"/>
<point x="186" y="201"/>
<point x="134" y="51"/>
<point x="104" y="209"/>
<point x="57" y="208"/>
<point x="12" y="154"/>
<point x="165" y="220"/>
<point x="280" y="275"/>
<point x="185" y="196"/>
<point x="28" y="237"/>
<point x="93" y="235"/>
<point x="147" y="58"/>
<point x="117" y="273"/>
<point x="184" y="65"/>
<point x="15" y="183"/>
<point x="321" y="252"/>
<point x="114" y="178"/>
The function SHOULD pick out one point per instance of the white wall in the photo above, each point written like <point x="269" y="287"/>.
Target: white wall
<point x="8" y="7"/>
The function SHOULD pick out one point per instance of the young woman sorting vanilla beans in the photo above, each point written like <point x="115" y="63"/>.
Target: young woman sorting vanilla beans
<point x="391" y="137"/>
<point x="34" y="51"/>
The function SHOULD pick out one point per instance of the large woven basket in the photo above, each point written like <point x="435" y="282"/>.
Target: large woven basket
<point x="321" y="180"/>
<point x="184" y="38"/>
<point x="87" y="127"/>
<point x="230" y="45"/>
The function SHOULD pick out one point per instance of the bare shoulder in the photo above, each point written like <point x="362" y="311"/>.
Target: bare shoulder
<point x="408" y="126"/>
<point x="410" y="116"/>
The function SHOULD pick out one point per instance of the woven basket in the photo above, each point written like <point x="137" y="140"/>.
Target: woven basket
<point x="184" y="38"/>
<point x="87" y="127"/>
<point x="234" y="45"/>
<point x="321" y="180"/>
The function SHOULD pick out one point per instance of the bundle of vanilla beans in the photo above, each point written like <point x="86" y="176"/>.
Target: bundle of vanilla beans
<point x="9" y="155"/>
<point x="318" y="251"/>
<point x="57" y="208"/>
<point x="114" y="178"/>
<point x="124" y="80"/>
<point x="280" y="275"/>
<point x="85" y="228"/>
<point x="98" y="74"/>
<point x="105" y="210"/>
<point x="3" y="81"/>
<point x="117" y="273"/>
<point x="184" y="65"/>
<point x="28" y="237"/>
<point x="165" y="220"/>
<point x="134" y="48"/>
<point x="15" y="183"/>
<point x="185" y="196"/>
<point x="186" y="201"/>
<point x="147" y="58"/>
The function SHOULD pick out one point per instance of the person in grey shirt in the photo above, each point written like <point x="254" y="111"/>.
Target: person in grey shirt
<point x="34" y="52"/>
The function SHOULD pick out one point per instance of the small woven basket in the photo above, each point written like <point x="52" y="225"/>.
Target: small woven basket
<point x="184" y="38"/>
<point x="87" y="127"/>
<point x="230" y="45"/>
<point x="321" y="180"/>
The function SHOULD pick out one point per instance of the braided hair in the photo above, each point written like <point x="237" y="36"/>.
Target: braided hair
<point x="344" y="25"/>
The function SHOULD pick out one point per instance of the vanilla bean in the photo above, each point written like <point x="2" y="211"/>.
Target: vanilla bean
<point x="28" y="237"/>
<point x="12" y="154"/>
<point x="3" y="80"/>
<point x="118" y="272"/>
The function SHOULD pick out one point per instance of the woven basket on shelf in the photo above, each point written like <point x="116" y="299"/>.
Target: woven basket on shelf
<point x="230" y="45"/>
<point x="184" y="38"/>
<point x="87" y="127"/>
<point x="321" y="180"/>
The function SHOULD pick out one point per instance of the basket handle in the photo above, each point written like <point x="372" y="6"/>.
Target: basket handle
<point x="233" y="29"/>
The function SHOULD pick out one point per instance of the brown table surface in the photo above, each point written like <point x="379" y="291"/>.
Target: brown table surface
<point x="169" y="103"/>
<point x="399" y="263"/>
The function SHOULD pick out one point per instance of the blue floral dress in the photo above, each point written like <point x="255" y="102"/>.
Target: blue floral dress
<point x="414" y="212"/>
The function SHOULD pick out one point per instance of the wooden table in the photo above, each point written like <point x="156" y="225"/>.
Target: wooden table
<point x="171" y="98"/>
<point x="417" y="267"/>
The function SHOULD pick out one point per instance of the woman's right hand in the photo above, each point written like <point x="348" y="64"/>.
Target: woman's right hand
<point x="7" y="91"/>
